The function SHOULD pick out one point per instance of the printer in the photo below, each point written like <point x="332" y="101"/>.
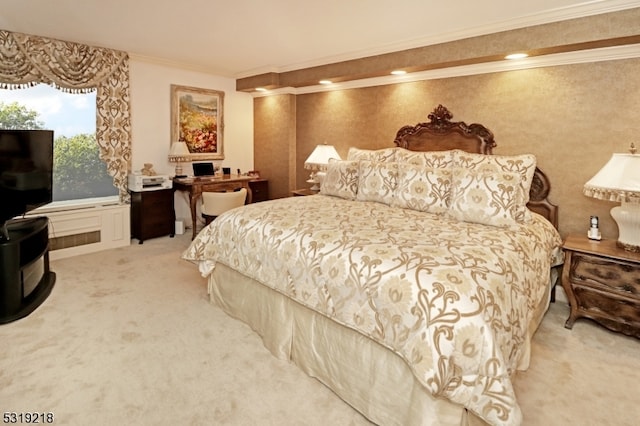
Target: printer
<point x="139" y="182"/>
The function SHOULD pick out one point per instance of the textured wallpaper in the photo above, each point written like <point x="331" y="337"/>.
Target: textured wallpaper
<point x="571" y="117"/>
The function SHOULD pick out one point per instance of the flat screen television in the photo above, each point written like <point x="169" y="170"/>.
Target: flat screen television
<point x="26" y="171"/>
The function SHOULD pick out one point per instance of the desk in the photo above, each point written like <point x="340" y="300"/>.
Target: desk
<point x="195" y="186"/>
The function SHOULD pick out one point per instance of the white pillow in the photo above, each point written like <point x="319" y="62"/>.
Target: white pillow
<point x="433" y="159"/>
<point x="377" y="181"/>
<point x="524" y="165"/>
<point x="421" y="188"/>
<point x="379" y="155"/>
<point x="341" y="179"/>
<point x="492" y="197"/>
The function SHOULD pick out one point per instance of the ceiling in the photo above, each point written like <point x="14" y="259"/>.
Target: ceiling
<point x="240" y="38"/>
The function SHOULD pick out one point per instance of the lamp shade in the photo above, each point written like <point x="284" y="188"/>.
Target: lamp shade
<point x="618" y="180"/>
<point x="179" y="152"/>
<point x="320" y="157"/>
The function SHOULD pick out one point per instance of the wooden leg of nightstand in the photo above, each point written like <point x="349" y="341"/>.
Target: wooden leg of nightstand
<point x="569" y="323"/>
<point x="566" y="285"/>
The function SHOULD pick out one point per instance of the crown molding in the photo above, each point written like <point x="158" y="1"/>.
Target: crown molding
<point x="589" y="8"/>
<point x="558" y="59"/>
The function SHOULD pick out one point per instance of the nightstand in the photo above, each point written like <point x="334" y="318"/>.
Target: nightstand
<point x="303" y="192"/>
<point x="602" y="282"/>
<point x="152" y="214"/>
<point x="259" y="190"/>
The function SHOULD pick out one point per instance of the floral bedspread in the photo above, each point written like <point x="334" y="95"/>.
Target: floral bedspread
<point x="454" y="299"/>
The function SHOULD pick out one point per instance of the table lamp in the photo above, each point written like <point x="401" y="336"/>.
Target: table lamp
<point x="179" y="154"/>
<point x="619" y="181"/>
<point x="317" y="163"/>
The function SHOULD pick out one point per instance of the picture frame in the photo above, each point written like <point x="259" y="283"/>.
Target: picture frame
<point x="197" y="118"/>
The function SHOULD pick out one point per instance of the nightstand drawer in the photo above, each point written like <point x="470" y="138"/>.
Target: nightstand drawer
<point x="598" y="306"/>
<point x="153" y="221"/>
<point x="155" y="200"/>
<point x="619" y="276"/>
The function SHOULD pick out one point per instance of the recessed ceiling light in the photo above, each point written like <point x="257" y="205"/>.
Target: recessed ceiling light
<point x="398" y="72"/>
<point x="325" y="82"/>
<point x="516" y="56"/>
<point x="260" y="89"/>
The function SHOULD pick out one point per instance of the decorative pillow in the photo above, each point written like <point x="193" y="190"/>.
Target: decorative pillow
<point x="433" y="159"/>
<point x="489" y="197"/>
<point x="379" y="155"/>
<point x="341" y="179"/>
<point x="425" y="189"/>
<point x="377" y="181"/>
<point x="524" y="165"/>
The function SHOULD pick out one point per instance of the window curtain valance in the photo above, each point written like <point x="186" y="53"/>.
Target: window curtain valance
<point x="27" y="60"/>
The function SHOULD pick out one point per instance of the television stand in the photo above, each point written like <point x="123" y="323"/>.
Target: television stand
<point x="25" y="278"/>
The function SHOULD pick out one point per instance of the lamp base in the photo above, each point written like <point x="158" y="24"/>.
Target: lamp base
<point x="314" y="180"/>
<point x="179" y="173"/>
<point x="627" y="217"/>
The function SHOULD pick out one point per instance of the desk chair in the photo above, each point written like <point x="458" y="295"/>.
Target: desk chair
<point x="216" y="203"/>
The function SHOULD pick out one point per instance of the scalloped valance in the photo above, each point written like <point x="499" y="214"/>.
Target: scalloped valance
<point x="27" y="60"/>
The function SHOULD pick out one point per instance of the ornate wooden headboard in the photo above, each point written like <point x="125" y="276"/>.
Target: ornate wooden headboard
<point x="441" y="134"/>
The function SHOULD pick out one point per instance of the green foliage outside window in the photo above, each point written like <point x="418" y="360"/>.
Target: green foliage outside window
<point x="15" y="117"/>
<point x="78" y="171"/>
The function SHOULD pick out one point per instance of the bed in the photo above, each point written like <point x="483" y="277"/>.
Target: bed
<point x="411" y="285"/>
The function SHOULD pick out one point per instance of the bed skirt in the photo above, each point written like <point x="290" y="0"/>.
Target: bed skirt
<point x="371" y="378"/>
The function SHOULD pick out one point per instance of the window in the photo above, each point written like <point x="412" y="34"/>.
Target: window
<point x="78" y="172"/>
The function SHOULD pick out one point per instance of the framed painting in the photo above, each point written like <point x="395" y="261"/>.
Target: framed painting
<point x="197" y="119"/>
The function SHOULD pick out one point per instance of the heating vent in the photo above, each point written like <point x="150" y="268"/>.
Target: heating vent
<point x="86" y="228"/>
<point x="68" y="241"/>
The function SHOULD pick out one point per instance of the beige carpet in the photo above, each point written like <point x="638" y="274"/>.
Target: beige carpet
<point x="128" y="337"/>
